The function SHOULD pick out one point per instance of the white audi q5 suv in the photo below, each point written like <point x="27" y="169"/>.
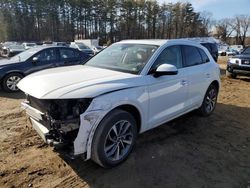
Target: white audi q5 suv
<point x="98" y="109"/>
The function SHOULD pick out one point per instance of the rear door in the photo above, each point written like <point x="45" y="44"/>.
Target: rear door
<point x="197" y="66"/>
<point x="69" y="57"/>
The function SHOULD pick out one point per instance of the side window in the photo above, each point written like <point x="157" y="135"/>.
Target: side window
<point x="171" y="55"/>
<point x="46" y="55"/>
<point x="204" y="56"/>
<point x="67" y="54"/>
<point x="192" y="56"/>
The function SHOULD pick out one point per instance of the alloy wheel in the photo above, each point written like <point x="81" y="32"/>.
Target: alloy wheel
<point x="211" y="100"/>
<point x="118" y="140"/>
<point x="12" y="82"/>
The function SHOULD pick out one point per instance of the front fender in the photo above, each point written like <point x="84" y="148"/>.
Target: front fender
<point x="100" y="107"/>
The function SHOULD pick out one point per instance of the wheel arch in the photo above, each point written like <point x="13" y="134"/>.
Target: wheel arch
<point x="132" y="109"/>
<point x="134" y="112"/>
<point x="8" y="73"/>
<point x="216" y="84"/>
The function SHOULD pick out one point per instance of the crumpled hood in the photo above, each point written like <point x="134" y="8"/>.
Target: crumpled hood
<point x="77" y="82"/>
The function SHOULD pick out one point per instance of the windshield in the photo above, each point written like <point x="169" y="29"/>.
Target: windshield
<point x="246" y="51"/>
<point x="129" y="58"/>
<point x="82" y="46"/>
<point x="23" y="56"/>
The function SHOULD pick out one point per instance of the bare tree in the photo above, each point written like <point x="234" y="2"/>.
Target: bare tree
<point x="224" y="28"/>
<point x="241" y="27"/>
<point x="206" y="18"/>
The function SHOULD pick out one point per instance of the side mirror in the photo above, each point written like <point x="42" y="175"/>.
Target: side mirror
<point x="165" y="69"/>
<point x="34" y="60"/>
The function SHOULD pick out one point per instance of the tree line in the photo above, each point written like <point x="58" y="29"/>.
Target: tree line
<point x="108" y="20"/>
<point x="111" y="20"/>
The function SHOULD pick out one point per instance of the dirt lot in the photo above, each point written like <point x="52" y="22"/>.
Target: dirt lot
<point x="188" y="152"/>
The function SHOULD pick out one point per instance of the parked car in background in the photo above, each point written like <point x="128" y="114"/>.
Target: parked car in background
<point x="4" y="47"/>
<point x="48" y="43"/>
<point x="28" y="45"/>
<point x="128" y="88"/>
<point x="228" y="52"/>
<point x="239" y="64"/>
<point x="222" y="52"/>
<point x="12" y="50"/>
<point x="82" y="47"/>
<point x="231" y="52"/>
<point x="61" y="44"/>
<point x="97" y="49"/>
<point x="238" y="48"/>
<point x="38" y="58"/>
<point x="212" y="48"/>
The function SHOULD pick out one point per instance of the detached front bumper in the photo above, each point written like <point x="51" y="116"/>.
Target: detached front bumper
<point x="80" y="144"/>
<point x="36" y="118"/>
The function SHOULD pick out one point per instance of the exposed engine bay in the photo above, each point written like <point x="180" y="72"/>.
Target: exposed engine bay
<point x="60" y="116"/>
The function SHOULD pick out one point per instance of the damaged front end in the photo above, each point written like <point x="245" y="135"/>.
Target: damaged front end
<point x="57" y="121"/>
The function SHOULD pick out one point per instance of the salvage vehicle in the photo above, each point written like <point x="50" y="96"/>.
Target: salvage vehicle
<point x="35" y="59"/>
<point x="239" y="64"/>
<point x="98" y="109"/>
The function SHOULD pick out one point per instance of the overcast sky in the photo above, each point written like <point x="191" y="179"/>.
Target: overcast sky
<point x="219" y="8"/>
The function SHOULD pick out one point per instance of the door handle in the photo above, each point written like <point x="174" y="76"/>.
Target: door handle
<point x="207" y="75"/>
<point x="184" y="82"/>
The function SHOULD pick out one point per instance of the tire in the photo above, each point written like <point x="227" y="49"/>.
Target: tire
<point x="209" y="101"/>
<point x="10" y="82"/>
<point x="117" y="146"/>
<point x="231" y="75"/>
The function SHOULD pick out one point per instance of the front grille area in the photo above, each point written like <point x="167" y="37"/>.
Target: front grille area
<point x="61" y="116"/>
<point x="245" y="62"/>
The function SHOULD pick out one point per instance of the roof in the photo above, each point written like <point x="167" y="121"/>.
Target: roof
<point x="159" y="42"/>
<point x="41" y="47"/>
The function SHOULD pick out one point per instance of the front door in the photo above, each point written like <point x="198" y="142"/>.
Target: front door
<point x="46" y="58"/>
<point x="167" y="93"/>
